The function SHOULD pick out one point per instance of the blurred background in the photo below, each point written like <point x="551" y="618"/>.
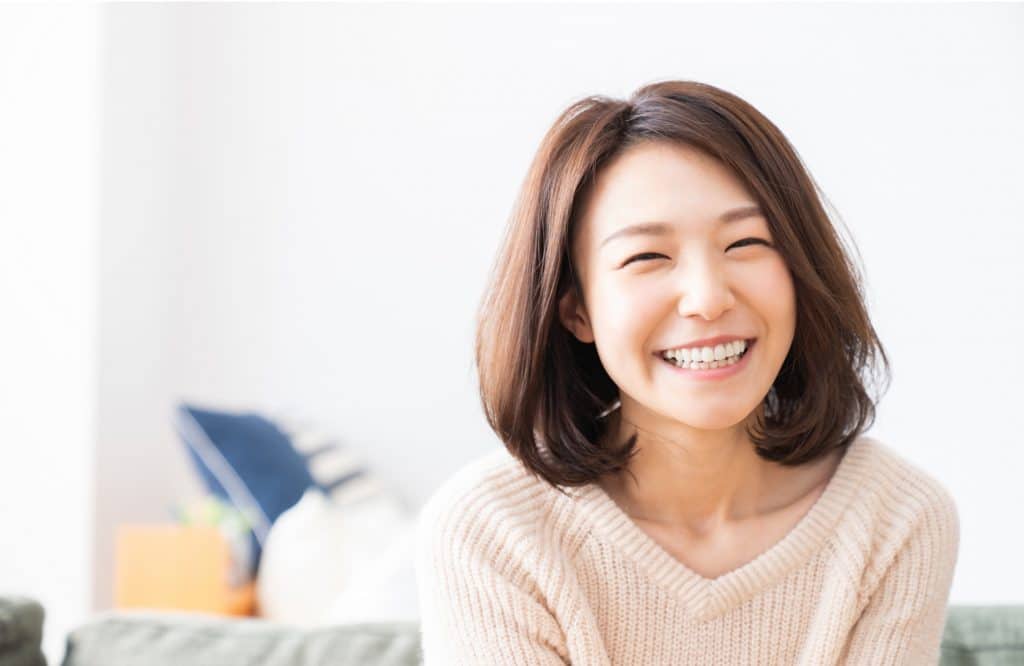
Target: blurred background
<point x="219" y="220"/>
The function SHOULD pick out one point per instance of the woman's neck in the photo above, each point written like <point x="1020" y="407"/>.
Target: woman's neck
<point x="709" y="481"/>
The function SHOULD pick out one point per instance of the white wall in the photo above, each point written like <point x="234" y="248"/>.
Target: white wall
<point x="140" y="471"/>
<point x="301" y="203"/>
<point x="48" y="287"/>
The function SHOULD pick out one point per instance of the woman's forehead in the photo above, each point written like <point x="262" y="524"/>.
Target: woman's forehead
<point x="660" y="182"/>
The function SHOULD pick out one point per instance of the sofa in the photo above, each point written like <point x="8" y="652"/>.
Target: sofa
<point x="974" y="636"/>
<point x="21" y="632"/>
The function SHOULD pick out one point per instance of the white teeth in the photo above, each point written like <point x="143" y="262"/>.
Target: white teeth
<point x="710" y="356"/>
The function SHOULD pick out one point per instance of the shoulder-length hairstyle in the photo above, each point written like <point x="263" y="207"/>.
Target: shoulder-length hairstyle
<point x="544" y="392"/>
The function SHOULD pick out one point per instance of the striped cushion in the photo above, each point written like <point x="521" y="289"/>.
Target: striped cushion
<point x="337" y="469"/>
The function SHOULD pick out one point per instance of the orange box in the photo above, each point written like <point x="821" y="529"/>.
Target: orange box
<point x="177" y="567"/>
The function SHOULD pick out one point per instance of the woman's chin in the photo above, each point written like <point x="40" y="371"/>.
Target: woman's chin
<point x="707" y="420"/>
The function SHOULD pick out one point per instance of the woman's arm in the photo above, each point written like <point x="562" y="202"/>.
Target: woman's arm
<point x="904" y="620"/>
<point x="474" y="608"/>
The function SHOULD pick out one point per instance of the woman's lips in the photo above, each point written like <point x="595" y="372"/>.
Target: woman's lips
<point x="712" y="373"/>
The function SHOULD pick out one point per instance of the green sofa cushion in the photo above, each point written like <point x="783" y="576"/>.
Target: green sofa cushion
<point x="983" y="636"/>
<point x="143" y="638"/>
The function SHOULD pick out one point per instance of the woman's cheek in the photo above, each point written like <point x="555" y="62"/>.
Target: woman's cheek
<point x="773" y="289"/>
<point x="772" y="300"/>
<point x="627" y="320"/>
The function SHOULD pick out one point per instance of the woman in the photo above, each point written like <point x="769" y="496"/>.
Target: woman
<point x="673" y="351"/>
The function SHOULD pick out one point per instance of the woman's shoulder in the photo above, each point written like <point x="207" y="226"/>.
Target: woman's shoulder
<point x="894" y="502"/>
<point x="492" y="496"/>
<point x="889" y="478"/>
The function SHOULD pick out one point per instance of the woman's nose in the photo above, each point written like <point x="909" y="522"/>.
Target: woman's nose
<point x="704" y="291"/>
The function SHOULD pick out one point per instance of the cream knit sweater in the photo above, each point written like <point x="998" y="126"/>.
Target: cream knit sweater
<point x="510" y="571"/>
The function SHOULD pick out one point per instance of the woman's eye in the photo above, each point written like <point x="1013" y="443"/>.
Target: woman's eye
<point x="743" y="242"/>
<point x="641" y="257"/>
<point x="654" y="255"/>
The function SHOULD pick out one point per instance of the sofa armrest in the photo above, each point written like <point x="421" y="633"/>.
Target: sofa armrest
<point x="21" y="632"/>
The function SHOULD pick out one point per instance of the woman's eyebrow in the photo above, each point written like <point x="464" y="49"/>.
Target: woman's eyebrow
<point x="663" y="228"/>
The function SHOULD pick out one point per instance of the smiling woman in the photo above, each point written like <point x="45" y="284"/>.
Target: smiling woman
<point x="676" y="353"/>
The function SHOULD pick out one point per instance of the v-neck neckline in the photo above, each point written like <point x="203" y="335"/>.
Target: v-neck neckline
<point x="709" y="597"/>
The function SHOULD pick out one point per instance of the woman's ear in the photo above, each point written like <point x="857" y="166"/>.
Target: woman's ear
<point x="574" y="317"/>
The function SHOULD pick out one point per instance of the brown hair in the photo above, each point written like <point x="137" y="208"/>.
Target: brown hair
<point x="543" y="390"/>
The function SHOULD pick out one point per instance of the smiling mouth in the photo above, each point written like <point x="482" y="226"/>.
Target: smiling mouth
<point x="710" y="365"/>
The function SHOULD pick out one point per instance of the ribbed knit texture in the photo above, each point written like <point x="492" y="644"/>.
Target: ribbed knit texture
<point x="510" y="571"/>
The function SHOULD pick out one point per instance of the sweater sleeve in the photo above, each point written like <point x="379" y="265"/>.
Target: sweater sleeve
<point x="474" y="607"/>
<point x="904" y="620"/>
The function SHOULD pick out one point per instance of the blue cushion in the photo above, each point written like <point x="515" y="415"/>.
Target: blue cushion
<point x="248" y="461"/>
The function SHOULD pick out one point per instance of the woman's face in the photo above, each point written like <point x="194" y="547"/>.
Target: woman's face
<point x="686" y="277"/>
